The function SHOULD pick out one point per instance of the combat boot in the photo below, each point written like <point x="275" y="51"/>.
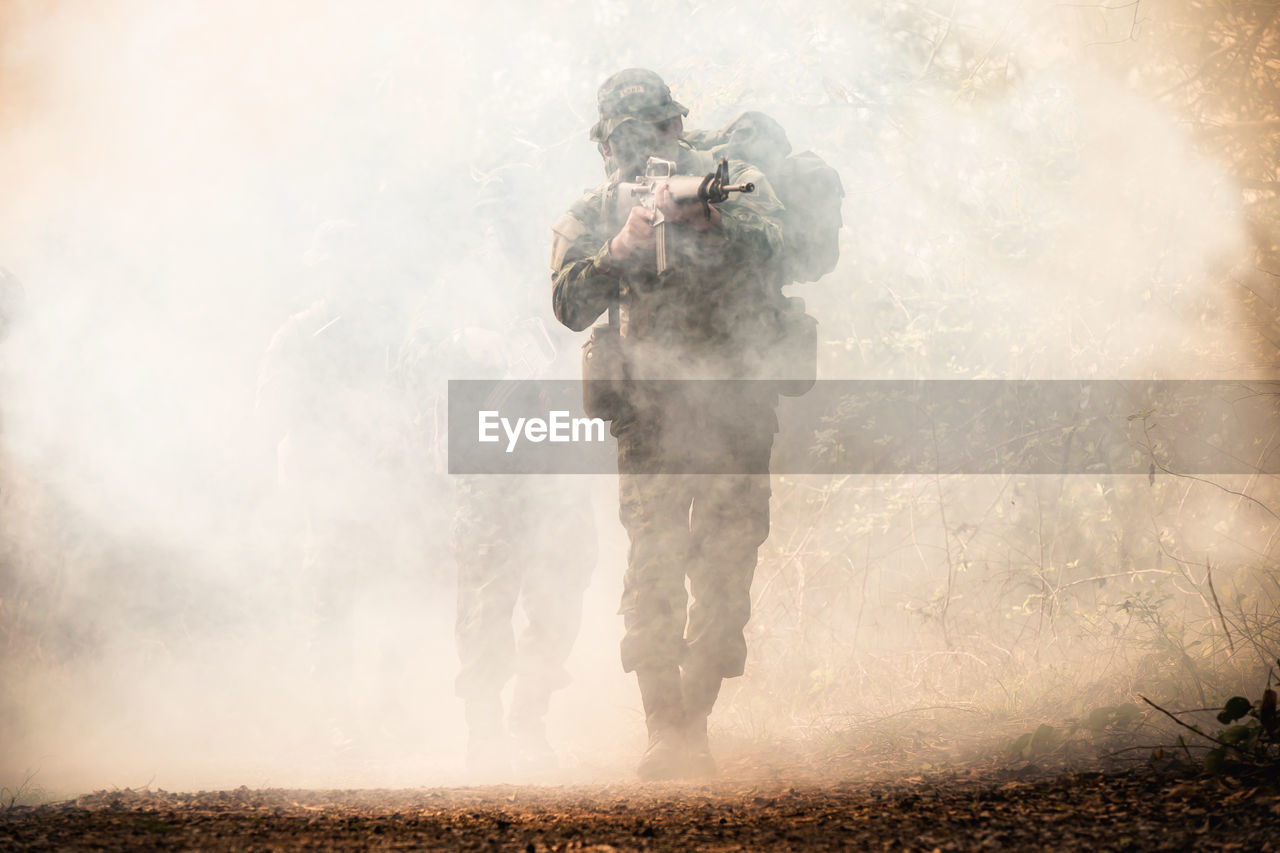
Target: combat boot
<point x="526" y="722"/>
<point x="699" y="689"/>
<point x="664" y="717"/>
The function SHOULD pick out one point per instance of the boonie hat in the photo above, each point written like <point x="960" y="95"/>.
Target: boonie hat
<point x="634" y="93"/>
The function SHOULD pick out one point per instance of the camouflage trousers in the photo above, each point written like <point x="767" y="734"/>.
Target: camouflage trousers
<point x="704" y="527"/>
<point x="527" y="540"/>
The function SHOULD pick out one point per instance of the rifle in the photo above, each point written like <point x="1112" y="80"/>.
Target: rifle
<point x="604" y="371"/>
<point x="710" y="189"/>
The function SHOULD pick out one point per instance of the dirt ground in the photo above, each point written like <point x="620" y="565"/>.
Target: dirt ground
<point x="1027" y="808"/>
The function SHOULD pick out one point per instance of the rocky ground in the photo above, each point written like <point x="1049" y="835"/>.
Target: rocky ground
<point x="1022" y="808"/>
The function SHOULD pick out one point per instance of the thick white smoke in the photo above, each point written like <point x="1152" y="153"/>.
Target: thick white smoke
<point x="164" y="168"/>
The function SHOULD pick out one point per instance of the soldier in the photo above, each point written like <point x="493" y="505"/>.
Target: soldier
<point x="524" y="540"/>
<point x="326" y="391"/>
<point x="707" y="316"/>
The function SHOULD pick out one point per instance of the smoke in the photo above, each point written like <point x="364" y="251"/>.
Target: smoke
<point x="165" y="168"/>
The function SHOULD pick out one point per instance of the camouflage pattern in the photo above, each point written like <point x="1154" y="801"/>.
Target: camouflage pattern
<point x="326" y="391"/>
<point x="516" y="540"/>
<point x="705" y="318"/>
<point x="327" y="388"/>
<point x="810" y="190"/>
<point x="633" y="94"/>
<point x="719" y="296"/>
<point x="708" y="528"/>
<point x="526" y="539"/>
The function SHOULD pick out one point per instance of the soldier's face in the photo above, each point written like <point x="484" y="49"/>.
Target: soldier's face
<point x="634" y="142"/>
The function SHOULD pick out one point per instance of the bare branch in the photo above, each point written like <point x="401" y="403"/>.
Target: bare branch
<point x="1187" y="726"/>
<point x="1161" y="466"/>
<point x="1208" y="576"/>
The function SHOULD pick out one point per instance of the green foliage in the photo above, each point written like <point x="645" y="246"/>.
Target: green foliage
<point x="1042" y="741"/>
<point x="1112" y="718"/>
<point x="1099" y="725"/>
<point x="1252" y="743"/>
<point x="1236" y="707"/>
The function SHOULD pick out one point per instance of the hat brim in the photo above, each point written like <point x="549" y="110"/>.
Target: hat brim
<point x="604" y="128"/>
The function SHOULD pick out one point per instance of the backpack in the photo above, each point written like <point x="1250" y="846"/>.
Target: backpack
<point x="808" y="188"/>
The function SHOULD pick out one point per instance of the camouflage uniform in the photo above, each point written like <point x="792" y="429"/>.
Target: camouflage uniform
<point x="520" y="539"/>
<point x="326" y="391"/>
<point x="508" y="552"/>
<point x="705" y="318"/>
